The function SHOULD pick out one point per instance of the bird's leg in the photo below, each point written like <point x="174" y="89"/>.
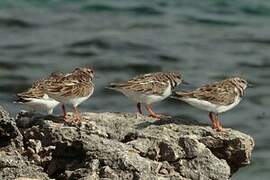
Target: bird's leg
<point x="152" y="113"/>
<point x="77" y="114"/>
<point x="64" y="112"/>
<point x="219" y="126"/>
<point x="213" y="120"/>
<point x="139" y="108"/>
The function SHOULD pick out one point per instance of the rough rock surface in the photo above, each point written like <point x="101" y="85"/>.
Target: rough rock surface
<point x="119" y="146"/>
<point x="13" y="164"/>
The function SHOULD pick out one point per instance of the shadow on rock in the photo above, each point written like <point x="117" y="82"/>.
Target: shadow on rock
<point x="176" y="120"/>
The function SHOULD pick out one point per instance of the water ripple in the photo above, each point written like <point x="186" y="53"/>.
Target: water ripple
<point x="264" y="65"/>
<point x="257" y="10"/>
<point x="213" y="21"/>
<point x="16" y="65"/>
<point x="99" y="43"/>
<point x="16" y="46"/>
<point x="168" y="58"/>
<point x="255" y="40"/>
<point x="76" y="53"/>
<point x="117" y="44"/>
<point x="18" y="23"/>
<point x="138" y="10"/>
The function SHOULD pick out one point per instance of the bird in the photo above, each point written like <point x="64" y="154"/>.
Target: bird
<point x="149" y="88"/>
<point x="36" y="99"/>
<point x="72" y="88"/>
<point x="216" y="98"/>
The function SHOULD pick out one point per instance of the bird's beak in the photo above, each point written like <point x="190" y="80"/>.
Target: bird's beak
<point x="185" y="82"/>
<point x="249" y="85"/>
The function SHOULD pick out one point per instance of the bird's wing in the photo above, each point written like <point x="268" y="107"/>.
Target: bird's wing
<point x="70" y="87"/>
<point x="217" y="93"/>
<point x="144" y="84"/>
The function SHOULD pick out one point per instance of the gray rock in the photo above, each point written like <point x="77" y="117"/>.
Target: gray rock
<point x="13" y="165"/>
<point x="132" y="146"/>
<point x="9" y="133"/>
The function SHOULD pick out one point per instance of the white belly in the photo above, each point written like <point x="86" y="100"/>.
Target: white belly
<point x="78" y="100"/>
<point x="42" y="104"/>
<point x="207" y="106"/>
<point x="75" y="101"/>
<point x="147" y="98"/>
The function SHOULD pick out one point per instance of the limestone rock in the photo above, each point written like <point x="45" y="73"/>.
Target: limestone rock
<point x="13" y="165"/>
<point x="131" y="146"/>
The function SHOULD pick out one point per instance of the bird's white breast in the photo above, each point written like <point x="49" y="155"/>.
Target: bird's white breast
<point x="44" y="103"/>
<point x="74" y="100"/>
<point x="211" y="107"/>
<point x="147" y="98"/>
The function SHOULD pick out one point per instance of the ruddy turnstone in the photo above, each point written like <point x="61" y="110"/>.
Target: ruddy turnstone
<point x="73" y="88"/>
<point x="149" y="88"/>
<point x="36" y="99"/>
<point x="215" y="98"/>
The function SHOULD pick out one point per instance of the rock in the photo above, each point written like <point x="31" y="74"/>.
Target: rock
<point x="130" y="146"/>
<point x="9" y="133"/>
<point x="13" y="164"/>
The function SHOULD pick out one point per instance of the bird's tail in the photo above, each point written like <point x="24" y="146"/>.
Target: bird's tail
<point x="177" y="95"/>
<point x="113" y="86"/>
<point x="20" y="100"/>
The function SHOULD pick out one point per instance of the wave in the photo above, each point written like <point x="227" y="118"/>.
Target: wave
<point x="99" y="43"/>
<point x="139" y="10"/>
<point x="252" y="40"/>
<point x="110" y="44"/>
<point x="213" y="21"/>
<point x="18" y="23"/>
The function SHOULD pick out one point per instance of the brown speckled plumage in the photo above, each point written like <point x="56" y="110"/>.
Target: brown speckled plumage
<point x="149" y="88"/>
<point x="3" y="113"/>
<point x="222" y="92"/>
<point x="36" y="91"/>
<point x="152" y="83"/>
<point x="215" y="98"/>
<point x="76" y="84"/>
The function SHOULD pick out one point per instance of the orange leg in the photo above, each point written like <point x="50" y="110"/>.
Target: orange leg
<point x="64" y="112"/>
<point x="215" y="122"/>
<point x="212" y="118"/>
<point x="139" y="108"/>
<point x="152" y="113"/>
<point x="77" y="115"/>
<point x="219" y="126"/>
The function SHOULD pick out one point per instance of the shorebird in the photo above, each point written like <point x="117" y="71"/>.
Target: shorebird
<point x="73" y="88"/>
<point x="36" y="99"/>
<point x="215" y="98"/>
<point x="149" y="88"/>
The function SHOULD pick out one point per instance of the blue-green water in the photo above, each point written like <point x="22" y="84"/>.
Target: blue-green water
<point x="205" y="40"/>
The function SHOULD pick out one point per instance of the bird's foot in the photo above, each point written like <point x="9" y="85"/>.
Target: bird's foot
<point x="77" y="119"/>
<point x="220" y="129"/>
<point x="68" y="118"/>
<point x="156" y="116"/>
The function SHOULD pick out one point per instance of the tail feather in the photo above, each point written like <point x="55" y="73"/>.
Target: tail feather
<point x="177" y="95"/>
<point x="114" y="86"/>
<point x="21" y="100"/>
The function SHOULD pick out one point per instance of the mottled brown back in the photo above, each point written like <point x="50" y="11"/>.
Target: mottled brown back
<point x="222" y="92"/>
<point x="152" y="83"/>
